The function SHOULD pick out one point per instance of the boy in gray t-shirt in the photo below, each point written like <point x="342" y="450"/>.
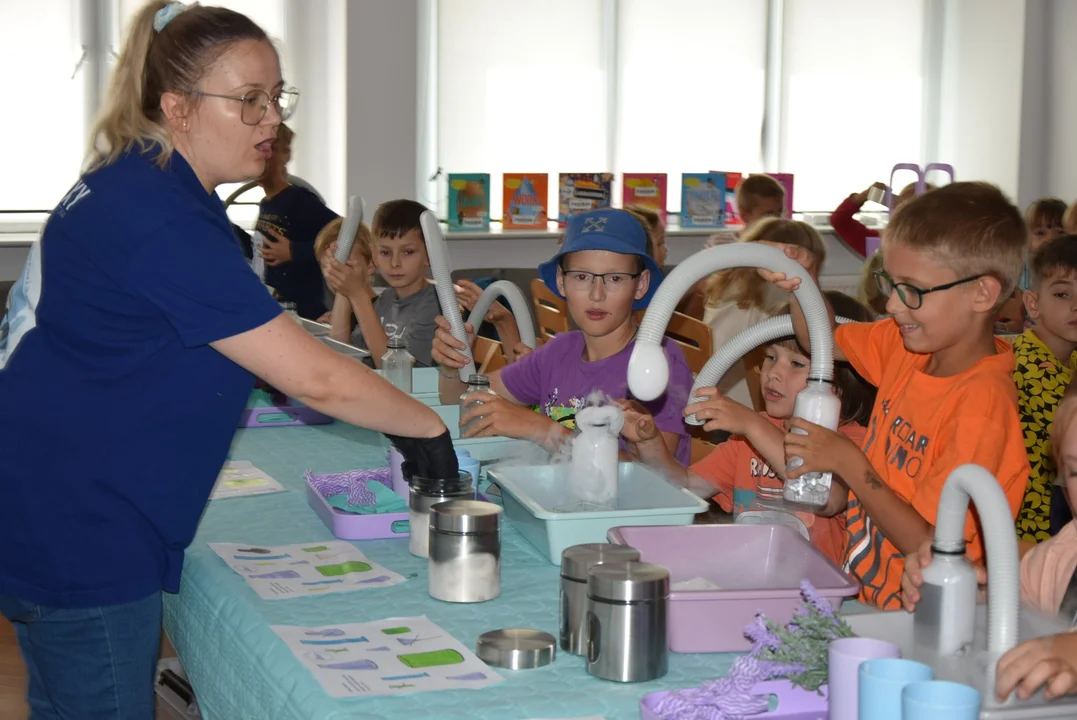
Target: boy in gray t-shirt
<point x="408" y="307"/>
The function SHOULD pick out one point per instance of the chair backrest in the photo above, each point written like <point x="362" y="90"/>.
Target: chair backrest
<point x="700" y="449"/>
<point x="488" y="355"/>
<point x="694" y="337"/>
<point x="551" y="311"/>
<point x="692" y="304"/>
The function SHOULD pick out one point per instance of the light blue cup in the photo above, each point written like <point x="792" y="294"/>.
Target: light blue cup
<point x="469" y="465"/>
<point x="936" y="699"/>
<point x="880" y="685"/>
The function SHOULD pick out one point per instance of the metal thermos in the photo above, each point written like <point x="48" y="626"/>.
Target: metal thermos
<point x="576" y="561"/>
<point x="627" y="610"/>
<point x="465" y="551"/>
<point x="423" y="494"/>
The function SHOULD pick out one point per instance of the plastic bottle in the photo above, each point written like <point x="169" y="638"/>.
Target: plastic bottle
<point x="397" y="364"/>
<point x="817" y="404"/>
<point x="475" y="383"/>
<point x="945" y="618"/>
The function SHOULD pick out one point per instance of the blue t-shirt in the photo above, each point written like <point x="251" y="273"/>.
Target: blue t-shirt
<point x="117" y="414"/>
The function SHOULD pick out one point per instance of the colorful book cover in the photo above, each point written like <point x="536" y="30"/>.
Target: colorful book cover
<point x="526" y="196"/>
<point x="645" y="190"/>
<point x="732" y="214"/>
<point x="786" y="181"/>
<point x="581" y="192"/>
<point x="703" y="199"/>
<point x="469" y="201"/>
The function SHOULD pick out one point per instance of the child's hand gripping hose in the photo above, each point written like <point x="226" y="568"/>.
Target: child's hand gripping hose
<point x="438" y="254"/>
<point x="349" y="229"/>
<point x="648" y="370"/>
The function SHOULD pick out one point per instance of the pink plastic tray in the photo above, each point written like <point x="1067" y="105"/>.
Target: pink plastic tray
<point x="757" y="568"/>
<point x="793" y="703"/>
<point x="351" y="526"/>
<point x="297" y="414"/>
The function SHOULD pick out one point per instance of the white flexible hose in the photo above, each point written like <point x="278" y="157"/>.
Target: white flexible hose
<point x="438" y="255"/>
<point x="1003" y="601"/>
<point x="737" y="347"/>
<point x="518" y="303"/>
<point x="648" y="369"/>
<point x="349" y="229"/>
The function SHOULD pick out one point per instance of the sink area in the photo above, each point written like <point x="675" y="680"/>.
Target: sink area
<point x="976" y="669"/>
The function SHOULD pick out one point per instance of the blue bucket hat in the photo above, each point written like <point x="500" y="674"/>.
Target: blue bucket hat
<point x="607" y="229"/>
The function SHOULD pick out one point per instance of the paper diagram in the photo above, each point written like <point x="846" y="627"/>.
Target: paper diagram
<point x="241" y="477"/>
<point x="387" y="657"/>
<point x="285" y="571"/>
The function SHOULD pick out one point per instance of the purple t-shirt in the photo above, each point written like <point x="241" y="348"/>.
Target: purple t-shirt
<point x="556" y="378"/>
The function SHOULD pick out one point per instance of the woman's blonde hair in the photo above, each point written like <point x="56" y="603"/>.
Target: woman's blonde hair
<point x="153" y="63"/>
<point x="364" y="240"/>
<point x="649" y="218"/>
<point x="744" y="286"/>
<point x="870" y="294"/>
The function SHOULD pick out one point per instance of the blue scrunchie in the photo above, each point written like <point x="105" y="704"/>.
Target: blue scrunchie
<point x="166" y="14"/>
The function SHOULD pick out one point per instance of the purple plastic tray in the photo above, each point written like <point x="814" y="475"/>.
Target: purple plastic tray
<point x="352" y="526"/>
<point x="757" y="568"/>
<point x="793" y="703"/>
<point x="298" y="414"/>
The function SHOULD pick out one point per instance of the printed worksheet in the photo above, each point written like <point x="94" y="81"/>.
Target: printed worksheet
<point x="241" y="477"/>
<point x="287" y="571"/>
<point x="386" y="657"/>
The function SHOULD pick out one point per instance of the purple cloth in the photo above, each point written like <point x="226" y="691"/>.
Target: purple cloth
<point x="353" y="482"/>
<point x="556" y="378"/>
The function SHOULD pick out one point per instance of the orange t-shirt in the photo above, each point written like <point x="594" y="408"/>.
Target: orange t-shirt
<point x="921" y="428"/>
<point x="736" y="470"/>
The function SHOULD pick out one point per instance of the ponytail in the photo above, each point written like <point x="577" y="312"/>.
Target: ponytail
<point x="152" y="63"/>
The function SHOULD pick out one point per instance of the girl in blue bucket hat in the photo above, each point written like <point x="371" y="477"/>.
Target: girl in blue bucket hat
<point x="605" y="271"/>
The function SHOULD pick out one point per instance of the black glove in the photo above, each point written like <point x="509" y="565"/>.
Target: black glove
<point x="432" y="458"/>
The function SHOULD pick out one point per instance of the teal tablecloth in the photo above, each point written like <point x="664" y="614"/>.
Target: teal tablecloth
<point x="240" y="669"/>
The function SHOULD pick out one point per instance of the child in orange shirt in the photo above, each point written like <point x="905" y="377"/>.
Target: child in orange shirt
<point x="740" y="472"/>
<point x="950" y="257"/>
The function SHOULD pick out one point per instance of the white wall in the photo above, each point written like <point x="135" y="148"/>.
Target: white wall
<point x="1060" y="83"/>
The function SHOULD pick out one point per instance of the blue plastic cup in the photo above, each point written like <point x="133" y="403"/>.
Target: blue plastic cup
<point x="469" y="465"/>
<point x="937" y="699"/>
<point x="881" y="683"/>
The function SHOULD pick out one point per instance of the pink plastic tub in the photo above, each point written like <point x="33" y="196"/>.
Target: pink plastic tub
<point x="756" y="568"/>
<point x="793" y="703"/>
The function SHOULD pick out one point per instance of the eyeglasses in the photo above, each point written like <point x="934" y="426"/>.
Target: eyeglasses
<point x="256" y="103"/>
<point x="581" y="280"/>
<point x="912" y="296"/>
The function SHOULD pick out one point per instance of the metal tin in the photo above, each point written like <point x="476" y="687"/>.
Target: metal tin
<point x="877" y="194"/>
<point x="465" y="551"/>
<point x="516" y="648"/>
<point x="627" y="616"/>
<point x="576" y="561"/>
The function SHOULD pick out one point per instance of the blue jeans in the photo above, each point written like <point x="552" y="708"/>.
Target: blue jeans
<point x="88" y="663"/>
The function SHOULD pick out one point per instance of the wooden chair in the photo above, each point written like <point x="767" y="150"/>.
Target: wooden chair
<point x="551" y="311"/>
<point x="694" y="337"/>
<point x="700" y="449"/>
<point x="489" y="355"/>
<point x="692" y="305"/>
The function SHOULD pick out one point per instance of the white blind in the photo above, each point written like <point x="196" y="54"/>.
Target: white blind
<point x="690" y="87"/>
<point x="44" y="124"/>
<point x="852" y="94"/>
<point x="521" y="88"/>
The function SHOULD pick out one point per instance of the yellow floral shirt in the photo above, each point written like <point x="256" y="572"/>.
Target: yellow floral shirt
<point x="1041" y="381"/>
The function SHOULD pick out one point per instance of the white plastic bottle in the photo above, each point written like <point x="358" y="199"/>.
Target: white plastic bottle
<point x="475" y="383"/>
<point x="397" y="364"/>
<point x="945" y="616"/>
<point x="817" y="404"/>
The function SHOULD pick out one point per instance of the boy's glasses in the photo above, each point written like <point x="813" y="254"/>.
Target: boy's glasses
<point x="912" y="296"/>
<point x="581" y="280"/>
<point x="256" y="103"/>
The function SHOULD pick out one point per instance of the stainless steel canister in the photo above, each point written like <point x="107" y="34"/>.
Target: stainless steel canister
<point x="627" y="610"/>
<point x="576" y="561"/>
<point x="465" y="551"/>
<point x="423" y="494"/>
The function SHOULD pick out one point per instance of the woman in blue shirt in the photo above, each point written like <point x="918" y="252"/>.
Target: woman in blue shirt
<point x="127" y="355"/>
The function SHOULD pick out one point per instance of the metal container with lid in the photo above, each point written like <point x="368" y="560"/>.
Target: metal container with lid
<point x="465" y="551"/>
<point x="423" y="494"/>
<point x="516" y="648"/>
<point x="627" y="612"/>
<point x="576" y="561"/>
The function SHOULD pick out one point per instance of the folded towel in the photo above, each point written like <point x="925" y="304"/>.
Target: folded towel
<point x="363" y="492"/>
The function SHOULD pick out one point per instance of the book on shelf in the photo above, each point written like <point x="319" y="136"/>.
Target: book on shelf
<point x="582" y="192"/>
<point x="732" y="214"/>
<point x="469" y="201"/>
<point x="525" y="197"/>
<point x="703" y="199"/>
<point x="645" y="190"/>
